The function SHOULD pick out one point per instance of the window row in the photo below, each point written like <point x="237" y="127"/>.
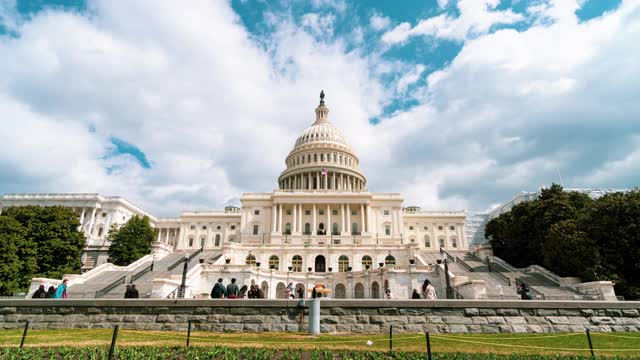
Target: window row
<point x="453" y="242"/>
<point x="324" y="158"/>
<point x="203" y="240"/>
<point x="335" y="229"/>
<point x="204" y="227"/>
<point x="440" y="228"/>
<point x="296" y="263"/>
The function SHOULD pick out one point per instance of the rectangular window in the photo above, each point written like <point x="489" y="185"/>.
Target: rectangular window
<point x="255" y="229"/>
<point x="410" y="227"/>
<point x="104" y="214"/>
<point x="386" y="212"/>
<point x="218" y="227"/>
<point x="334" y="212"/>
<point x="100" y="231"/>
<point x="440" y="228"/>
<point x="321" y="212"/>
<point x="454" y="243"/>
<point x="233" y="227"/>
<point x="190" y="241"/>
<point x="193" y="227"/>
<point x="307" y="212"/>
<point x="452" y="227"/>
<point x="256" y="212"/>
<point x="354" y="212"/>
<point x="288" y="212"/>
<point x="387" y="230"/>
<point x="204" y="227"/>
<point x="202" y="242"/>
<point x="426" y="228"/>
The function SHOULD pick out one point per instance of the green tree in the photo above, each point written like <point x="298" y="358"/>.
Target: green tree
<point x="131" y="241"/>
<point x="54" y="243"/>
<point x="12" y="238"/>
<point x="568" y="251"/>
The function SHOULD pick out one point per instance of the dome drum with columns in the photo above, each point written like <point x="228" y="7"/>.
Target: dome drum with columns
<point x="322" y="159"/>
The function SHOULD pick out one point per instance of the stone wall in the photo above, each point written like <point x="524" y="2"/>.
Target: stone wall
<point x="352" y="316"/>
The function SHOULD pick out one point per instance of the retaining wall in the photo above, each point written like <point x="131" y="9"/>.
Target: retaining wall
<point x="344" y="316"/>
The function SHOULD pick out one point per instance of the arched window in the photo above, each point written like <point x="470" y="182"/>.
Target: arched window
<point x="287" y="229"/>
<point x="307" y="229"/>
<point x="389" y="261"/>
<point x="354" y="228"/>
<point x="315" y="157"/>
<point x="454" y="242"/>
<point x="202" y="241"/>
<point x="251" y="260"/>
<point x="343" y="263"/>
<point x="296" y="263"/>
<point x="335" y="230"/>
<point x="322" y="157"/>
<point x="367" y="262"/>
<point x="309" y="158"/>
<point x="190" y="241"/>
<point x="441" y="242"/>
<point x="274" y="262"/>
<point x="217" y="240"/>
<point x="427" y="241"/>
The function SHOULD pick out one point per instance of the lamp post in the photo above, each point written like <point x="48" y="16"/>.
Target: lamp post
<point x="446" y="276"/>
<point x="183" y="284"/>
<point x="153" y="260"/>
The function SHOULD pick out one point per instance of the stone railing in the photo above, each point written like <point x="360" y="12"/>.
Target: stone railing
<point x="343" y="316"/>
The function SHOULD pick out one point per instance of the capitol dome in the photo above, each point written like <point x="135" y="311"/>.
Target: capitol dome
<point x="322" y="159"/>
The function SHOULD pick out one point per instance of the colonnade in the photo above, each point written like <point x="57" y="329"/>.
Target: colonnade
<point x="322" y="181"/>
<point x="343" y="217"/>
<point x="168" y="235"/>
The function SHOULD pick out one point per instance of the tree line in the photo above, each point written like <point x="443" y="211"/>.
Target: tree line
<point x="46" y="242"/>
<point x="37" y="242"/>
<point x="573" y="235"/>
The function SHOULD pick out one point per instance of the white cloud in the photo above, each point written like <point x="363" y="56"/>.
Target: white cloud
<point x="379" y="22"/>
<point x="318" y="25"/>
<point x="476" y="18"/>
<point x="410" y="78"/>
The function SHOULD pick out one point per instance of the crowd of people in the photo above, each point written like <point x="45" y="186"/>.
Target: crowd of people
<point x="53" y="292"/>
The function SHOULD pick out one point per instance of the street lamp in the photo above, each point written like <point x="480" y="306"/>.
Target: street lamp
<point x="153" y="260"/>
<point x="446" y="276"/>
<point x="183" y="284"/>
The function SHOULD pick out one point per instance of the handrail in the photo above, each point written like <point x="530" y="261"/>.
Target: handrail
<point x="464" y="264"/>
<point x="443" y="251"/>
<point x="196" y="253"/>
<point x="113" y="285"/>
<point x="502" y="277"/>
<point x="181" y="260"/>
<point x="140" y="273"/>
<point x="501" y="266"/>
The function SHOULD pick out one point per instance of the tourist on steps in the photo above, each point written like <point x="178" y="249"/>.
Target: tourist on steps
<point x="428" y="291"/>
<point x="50" y="293"/>
<point x="232" y="290"/>
<point x="218" y="291"/>
<point x="40" y="293"/>
<point x="61" y="291"/>
<point x="415" y="294"/>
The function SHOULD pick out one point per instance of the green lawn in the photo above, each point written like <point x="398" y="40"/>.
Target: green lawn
<point x="610" y="344"/>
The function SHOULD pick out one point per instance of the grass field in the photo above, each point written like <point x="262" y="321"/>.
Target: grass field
<point x="610" y="344"/>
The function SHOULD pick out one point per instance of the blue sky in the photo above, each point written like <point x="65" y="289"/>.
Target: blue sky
<point x="457" y="104"/>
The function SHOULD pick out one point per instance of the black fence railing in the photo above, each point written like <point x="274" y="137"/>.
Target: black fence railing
<point x="140" y="273"/>
<point x="502" y="278"/>
<point x="100" y="293"/>
<point x="464" y="264"/>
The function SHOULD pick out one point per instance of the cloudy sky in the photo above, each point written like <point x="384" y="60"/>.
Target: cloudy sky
<point x="455" y="104"/>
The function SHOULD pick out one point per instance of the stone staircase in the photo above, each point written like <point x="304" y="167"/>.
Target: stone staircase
<point x="144" y="283"/>
<point x="501" y="281"/>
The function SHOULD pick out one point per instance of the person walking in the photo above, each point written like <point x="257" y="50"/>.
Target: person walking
<point x="232" y="290"/>
<point x="524" y="292"/>
<point x="428" y="291"/>
<point x="291" y="292"/>
<point x="415" y="294"/>
<point x="50" y="292"/>
<point x="61" y="291"/>
<point x="40" y="293"/>
<point x="219" y="291"/>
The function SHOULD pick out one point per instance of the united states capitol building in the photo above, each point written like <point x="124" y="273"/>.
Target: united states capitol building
<point x="321" y="226"/>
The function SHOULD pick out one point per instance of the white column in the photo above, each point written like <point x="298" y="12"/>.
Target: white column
<point x="313" y="231"/>
<point x="300" y="218"/>
<point x="159" y="234"/>
<point x="333" y="181"/>
<point x="348" y="220"/>
<point x="363" y="228"/>
<point x="317" y="181"/>
<point x="326" y="181"/>
<point x="309" y="184"/>
<point x="275" y="214"/>
<point x="341" y="183"/>
<point x="329" y="219"/>
<point x="81" y="218"/>
<point x="280" y="218"/>
<point x="342" y="222"/>
<point x="166" y="235"/>
<point x="93" y="218"/>
<point x="368" y="210"/>
<point x="295" y="219"/>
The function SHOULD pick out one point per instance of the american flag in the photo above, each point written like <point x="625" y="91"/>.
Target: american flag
<point x="325" y="172"/>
